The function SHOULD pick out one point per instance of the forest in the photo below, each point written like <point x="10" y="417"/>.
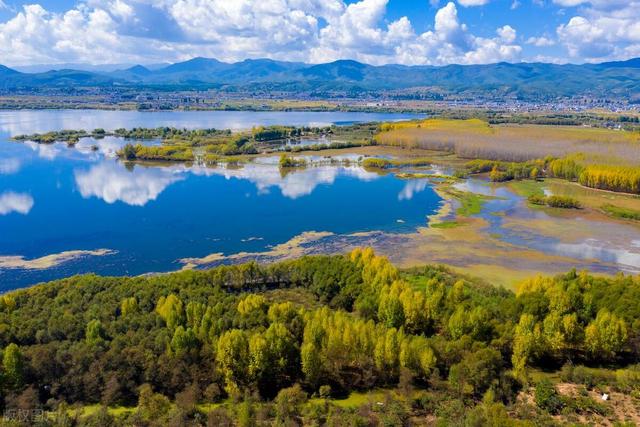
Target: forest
<point x="290" y="343"/>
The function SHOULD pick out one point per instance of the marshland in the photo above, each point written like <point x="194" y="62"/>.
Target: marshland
<point x="496" y="192"/>
<point x="463" y="216"/>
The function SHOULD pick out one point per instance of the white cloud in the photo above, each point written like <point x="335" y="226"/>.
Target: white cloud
<point x="124" y="31"/>
<point x="602" y="30"/>
<point x="599" y="4"/>
<point x="469" y="3"/>
<point x="15" y="202"/>
<point x="449" y="42"/>
<point x="507" y="33"/>
<point x="540" y="41"/>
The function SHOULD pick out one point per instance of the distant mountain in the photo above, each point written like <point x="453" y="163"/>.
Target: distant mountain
<point x="631" y="63"/>
<point x="132" y="75"/>
<point x="195" y="65"/>
<point x="99" y="68"/>
<point x="58" y="78"/>
<point x="6" y="71"/>
<point x="138" y="70"/>
<point x="338" y="70"/>
<point x="527" y="81"/>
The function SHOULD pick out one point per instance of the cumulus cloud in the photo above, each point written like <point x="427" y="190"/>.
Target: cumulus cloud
<point x="540" y="41"/>
<point x="15" y="202"/>
<point x="507" y="33"/>
<point x="117" y="31"/>
<point x="449" y="42"/>
<point x="603" y="29"/>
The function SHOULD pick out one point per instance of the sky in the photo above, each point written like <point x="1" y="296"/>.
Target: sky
<point x="410" y="32"/>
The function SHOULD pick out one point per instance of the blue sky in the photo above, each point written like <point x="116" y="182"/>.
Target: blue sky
<point x="410" y="32"/>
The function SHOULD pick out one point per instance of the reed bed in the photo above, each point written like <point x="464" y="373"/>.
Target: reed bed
<point x="475" y="139"/>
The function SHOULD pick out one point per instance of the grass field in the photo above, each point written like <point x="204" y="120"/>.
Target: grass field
<point x="476" y="139"/>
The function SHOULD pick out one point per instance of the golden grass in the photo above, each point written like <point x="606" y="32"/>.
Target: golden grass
<point x="477" y="139"/>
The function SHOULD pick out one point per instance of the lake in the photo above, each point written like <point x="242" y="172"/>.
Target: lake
<point x="66" y="211"/>
<point x="77" y="210"/>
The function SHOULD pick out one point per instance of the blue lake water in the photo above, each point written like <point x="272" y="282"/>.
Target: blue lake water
<point x="55" y="199"/>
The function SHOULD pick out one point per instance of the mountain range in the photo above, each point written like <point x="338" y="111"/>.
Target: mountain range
<point x="619" y="80"/>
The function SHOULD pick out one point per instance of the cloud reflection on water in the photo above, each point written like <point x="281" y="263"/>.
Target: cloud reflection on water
<point x="295" y="184"/>
<point x="594" y="249"/>
<point x="44" y="151"/>
<point x="15" y="202"/>
<point x="9" y="166"/>
<point x="412" y="188"/>
<point x="112" y="182"/>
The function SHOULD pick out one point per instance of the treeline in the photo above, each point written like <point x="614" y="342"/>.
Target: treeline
<point x="327" y="146"/>
<point x="380" y="163"/>
<point x="168" y="133"/>
<point x="248" y="334"/>
<point x="71" y="137"/>
<point x="612" y="178"/>
<point x="276" y="133"/>
<point x="144" y="152"/>
<point x="604" y="177"/>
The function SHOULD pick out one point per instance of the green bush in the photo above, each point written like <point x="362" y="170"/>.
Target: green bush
<point x="547" y="397"/>
<point x="562" y="202"/>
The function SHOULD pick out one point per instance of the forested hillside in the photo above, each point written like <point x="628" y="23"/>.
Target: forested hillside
<point x="525" y="81"/>
<point x="285" y="344"/>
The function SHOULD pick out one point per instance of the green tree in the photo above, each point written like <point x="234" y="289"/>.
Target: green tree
<point x="94" y="332"/>
<point x="311" y="363"/>
<point x="606" y="335"/>
<point x="233" y="358"/>
<point x="458" y="323"/>
<point x="128" y="306"/>
<point x="171" y="309"/>
<point x="152" y="406"/>
<point x="527" y="343"/>
<point x="287" y="405"/>
<point x="13" y="366"/>
<point x="246" y="416"/>
<point x="477" y="371"/>
<point x="390" y="310"/>
<point x="251" y="303"/>
<point x="184" y="341"/>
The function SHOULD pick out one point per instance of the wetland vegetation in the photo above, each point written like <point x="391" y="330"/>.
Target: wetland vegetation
<point x="348" y="338"/>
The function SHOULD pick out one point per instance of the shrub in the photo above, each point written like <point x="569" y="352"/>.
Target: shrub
<point x="547" y="397"/>
<point x="537" y="200"/>
<point x="562" y="202"/>
<point x="499" y="176"/>
<point x="377" y="163"/>
<point x="290" y="162"/>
